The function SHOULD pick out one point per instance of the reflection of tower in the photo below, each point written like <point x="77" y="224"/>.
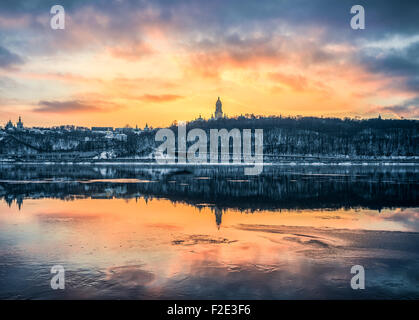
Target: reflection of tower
<point x="9" y="201"/>
<point x="218" y="109"/>
<point x="218" y="217"/>
<point x="19" y="202"/>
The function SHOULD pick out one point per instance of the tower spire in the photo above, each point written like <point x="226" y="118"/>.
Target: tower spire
<point x="218" y="109"/>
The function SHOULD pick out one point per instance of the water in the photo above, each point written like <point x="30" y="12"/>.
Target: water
<point x="145" y="232"/>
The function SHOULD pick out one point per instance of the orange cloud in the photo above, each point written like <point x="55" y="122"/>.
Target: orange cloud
<point x="211" y="64"/>
<point x="74" y="106"/>
<point x="160" y="98"/>
<point x="295" y="82"/>
<point x="131" y="52"/>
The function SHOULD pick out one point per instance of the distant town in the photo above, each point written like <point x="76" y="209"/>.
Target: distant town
<point x="118" y="133"/>
<point x="291" y="138"/>
<point x="10" y="127"/>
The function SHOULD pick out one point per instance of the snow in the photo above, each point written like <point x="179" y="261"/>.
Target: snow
<point x="106" y="155"/>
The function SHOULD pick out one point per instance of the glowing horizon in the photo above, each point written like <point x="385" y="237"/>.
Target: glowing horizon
<point x="166" y="61"/>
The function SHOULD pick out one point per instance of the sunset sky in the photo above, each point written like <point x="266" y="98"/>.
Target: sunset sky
<point x="130" y="62"/>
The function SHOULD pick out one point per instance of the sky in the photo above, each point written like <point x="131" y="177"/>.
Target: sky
<point x="120" y="62"/>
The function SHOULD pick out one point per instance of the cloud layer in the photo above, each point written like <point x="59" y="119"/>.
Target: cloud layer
<point x="9" y="59"/>
<point x="292" y="57"/>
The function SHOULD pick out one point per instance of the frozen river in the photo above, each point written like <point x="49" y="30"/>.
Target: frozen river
<point x="208" y="233"/>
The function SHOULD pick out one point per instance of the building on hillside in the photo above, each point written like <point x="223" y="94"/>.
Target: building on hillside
<point x="124" y="130"/>
<point x="19" y="124"/>
<point x="9" y="125"/>
<point x="218" y="109"/>
<point x="102" y="129"/>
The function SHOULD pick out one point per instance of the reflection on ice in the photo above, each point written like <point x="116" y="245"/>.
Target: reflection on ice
<point x="144" y="233"/>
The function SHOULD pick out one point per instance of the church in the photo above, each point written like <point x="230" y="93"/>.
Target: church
<point x="19" y="125"/>
<point x="218" y="114"/>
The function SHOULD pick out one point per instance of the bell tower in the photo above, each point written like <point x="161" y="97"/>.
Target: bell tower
<point x="19" y="125"/>
<point x="218" y="109"/>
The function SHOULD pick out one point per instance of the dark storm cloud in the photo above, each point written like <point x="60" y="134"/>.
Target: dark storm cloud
<point x="409" y="108"/>
<point x="9" y="59"/>
<point x="402" y="64"/>
<point x="220" y="21"/>
<point x="412" y="84"/>
<point x="382" y="16"/>
<point x="36" y="6"/>
<point x="218" y="17"/>
<point x="395" y="61"/>
<point x="404" y="109"/>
